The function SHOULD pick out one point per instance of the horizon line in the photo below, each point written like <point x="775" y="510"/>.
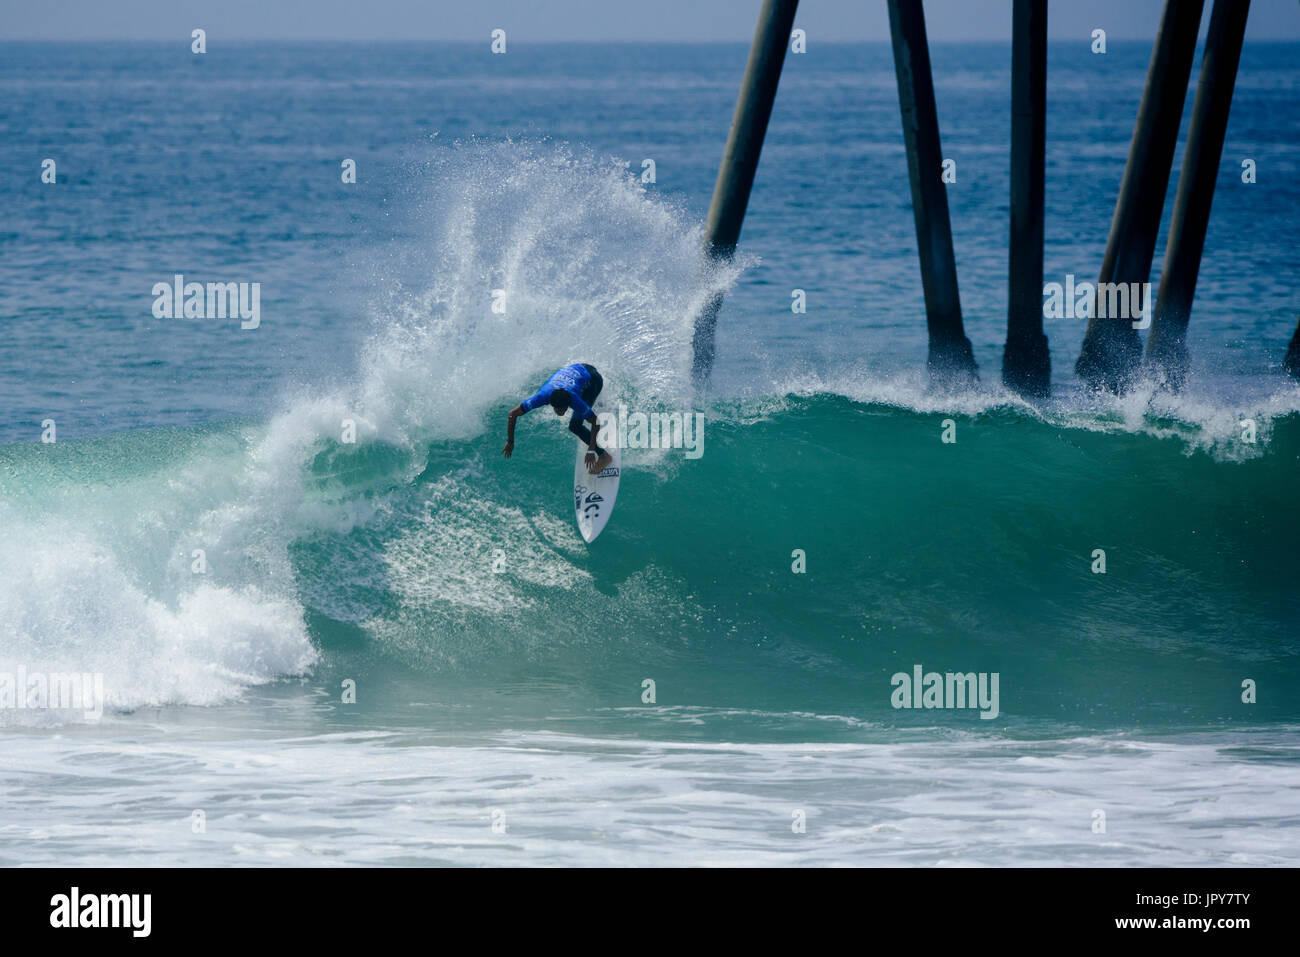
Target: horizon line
<point x="406" y="41"/>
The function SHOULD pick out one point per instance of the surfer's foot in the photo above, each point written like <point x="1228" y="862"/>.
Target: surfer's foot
<point x="595" y="466"/>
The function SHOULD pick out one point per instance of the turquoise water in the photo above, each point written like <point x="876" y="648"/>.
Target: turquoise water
<point x="826" y="540"/>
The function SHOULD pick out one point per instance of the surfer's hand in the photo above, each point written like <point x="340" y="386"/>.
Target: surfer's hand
<point x="510" y="447"/>
<point x="591" y="463"/>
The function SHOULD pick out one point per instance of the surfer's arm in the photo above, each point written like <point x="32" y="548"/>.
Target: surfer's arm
<point x="515" y="413"/>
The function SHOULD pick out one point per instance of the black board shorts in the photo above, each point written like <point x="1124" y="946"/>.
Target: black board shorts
<point x="594" y="386"/>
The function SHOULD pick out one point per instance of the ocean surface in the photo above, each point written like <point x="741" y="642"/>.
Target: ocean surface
<point x="713" y="680"/>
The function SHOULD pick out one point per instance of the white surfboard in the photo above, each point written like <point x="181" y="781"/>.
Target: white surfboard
<point x="594" y="495"/>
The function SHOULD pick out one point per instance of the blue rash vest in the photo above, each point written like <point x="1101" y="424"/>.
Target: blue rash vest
<point x="573" y="379"/>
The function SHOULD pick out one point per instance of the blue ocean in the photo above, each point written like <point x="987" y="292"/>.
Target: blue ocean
<point x="332" y="625"/>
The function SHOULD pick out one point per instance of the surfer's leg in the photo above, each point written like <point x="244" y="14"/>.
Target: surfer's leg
<point x="581" y="431"/>
<point x="580" y="428"/>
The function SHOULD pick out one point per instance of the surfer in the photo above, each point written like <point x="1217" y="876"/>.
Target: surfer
<point x="575" y="386"/>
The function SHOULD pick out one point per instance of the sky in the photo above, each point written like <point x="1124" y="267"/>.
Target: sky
<point x="579" y="20"/>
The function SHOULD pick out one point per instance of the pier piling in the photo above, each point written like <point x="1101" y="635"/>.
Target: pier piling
<point x="1026" y="362"/>
<point x="1112" y="349"/>
<point x="950" y="359"/>
<point x="1166" y="350"/>
<point x="1291" y="364"/>
<point x="740" y="160"/>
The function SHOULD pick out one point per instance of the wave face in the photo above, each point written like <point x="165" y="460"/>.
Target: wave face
<point x="188" y="565"/>
<point x="971" y="556"/>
